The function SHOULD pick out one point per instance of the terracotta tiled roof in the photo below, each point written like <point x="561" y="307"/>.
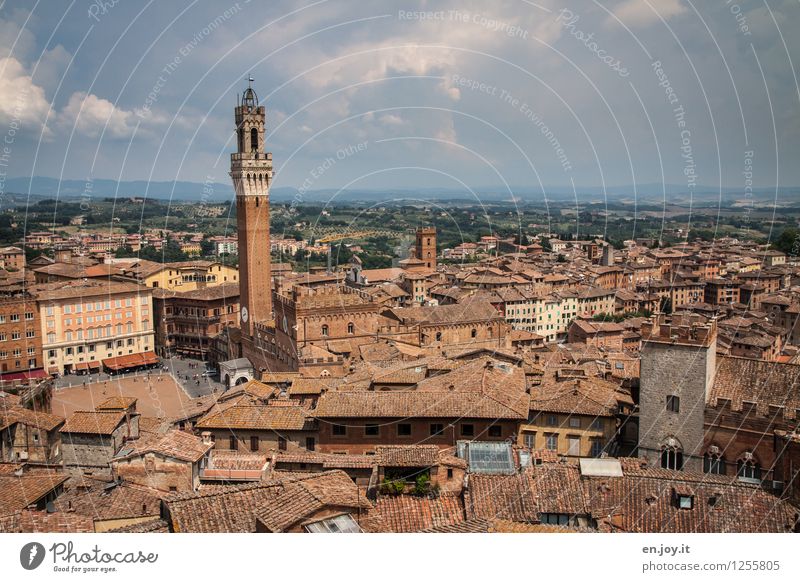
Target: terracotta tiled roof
<point x="80" y="288"/>
<point x="408" y="513"/>
<point x="406" y="375"/>
<point x="759" y="381"/>
<point x="116" y="403"/>
<point x="226" y="508"/>
<point x="558" y="489"/>
<point x="253" y="388"/>
<point x="457" y="313"/>
<point x="644" y="501"/>
<point x="149" y="526"/>
<point x="258" y="417"/>
<point x="593" y="327"/>
<point x="407" y="455"/>
<point x="300" y="500"/>
<point x="311" y="386"/>
<point x="176" y="444"/>
<point x="17" y="492"/>
<point x="451" y="404"/>
<point x="378" y="352"/>
<point x="58" y="522"/>
<point x="328" y="461"/>
<point x="18" y="414"/>
<point x="585" y="396"/>
<point x="502" y="496"/>
<point x="212" y="293"/>
<point x="152" y="425"/>
<point x="476" y="525"/>
<point x="94" y="422"/>
<point x="102" y="501"/>
<point x="8" y="400"/>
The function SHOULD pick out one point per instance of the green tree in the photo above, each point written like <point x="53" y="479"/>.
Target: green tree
<point x="207" y="247"/>
<point x="124" y="251"/>
<point x="787" y="242"/>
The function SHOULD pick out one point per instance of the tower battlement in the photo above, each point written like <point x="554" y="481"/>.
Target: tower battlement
<point x="686" y="329"/>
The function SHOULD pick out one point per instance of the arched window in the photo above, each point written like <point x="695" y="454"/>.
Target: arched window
<point x="351" y="329"/>
<point x="241" y="140"/>
<point x="438" y="336"/>
<point x="474" y="332"/>
<point x="325" y="331"/>
<point x="672" y="458"/>
<point x="748" y="468"/>
<point x="254" y="140"/>
<point x="713" y="462"/>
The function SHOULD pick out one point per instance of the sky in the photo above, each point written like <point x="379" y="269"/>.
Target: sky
<point x="408" y="95"/>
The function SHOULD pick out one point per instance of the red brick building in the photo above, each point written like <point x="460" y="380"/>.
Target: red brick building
<point x="481" y="400"/>
<point x="600" y="334"/>
<point x="187" y="322"/>
<point x="749" y="404"/>
<point x="20" y="338"/>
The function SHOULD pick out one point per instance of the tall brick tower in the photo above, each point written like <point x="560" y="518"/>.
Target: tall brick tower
<point x="251" y="172"/>
<point x="426" y="246"/>
<point x="678" y="362"/>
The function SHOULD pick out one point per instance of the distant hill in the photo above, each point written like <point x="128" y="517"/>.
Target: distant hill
<point x="52" y="187"/>
<point x="217" y="192"/>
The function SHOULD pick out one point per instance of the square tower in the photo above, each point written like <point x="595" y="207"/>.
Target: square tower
<point x="251" y="172"/>
<point x="425" y="247"/>
<point x="678" y="361"/>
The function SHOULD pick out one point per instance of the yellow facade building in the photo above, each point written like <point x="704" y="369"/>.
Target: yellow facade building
<point x="575" y="415"/>
<point x="86" y="322"/>
<point x="182" y="276"/>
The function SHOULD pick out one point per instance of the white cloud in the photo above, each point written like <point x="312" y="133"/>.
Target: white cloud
<point x="21" y="100"/>
<point x="646" y="12"/>
<point x="51" y="66"/>
<point x="14" y="39"/>
<point x="90" y="114"/>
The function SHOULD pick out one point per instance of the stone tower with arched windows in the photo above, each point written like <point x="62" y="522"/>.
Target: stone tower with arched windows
<point x="678" y="361"/>
<point x="425" y="247"/>
<point x="251" y="172"/>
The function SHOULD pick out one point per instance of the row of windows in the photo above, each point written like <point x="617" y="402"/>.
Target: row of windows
<point x="91" y="319"/>
<point x="92" y="347"/>
<point x="745" y="468"/>
<point x="233" y="443"/>
<point x="98" y="333"/>
<point x="351" y="329"/>
<point x="574" y="422"/>
<point x="15" y="335"/>
<point x="551" y="443"/>
<point x="404" y="430"/>
<point x="97" y="305"/>
<point x="18" y="365"/>
<point x="672" y="458"/>
<point x="17" y="353"/>
<point x="16" y="317"/>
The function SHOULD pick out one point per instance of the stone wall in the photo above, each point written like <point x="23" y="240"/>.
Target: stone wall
<point x="682" y="370"/>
